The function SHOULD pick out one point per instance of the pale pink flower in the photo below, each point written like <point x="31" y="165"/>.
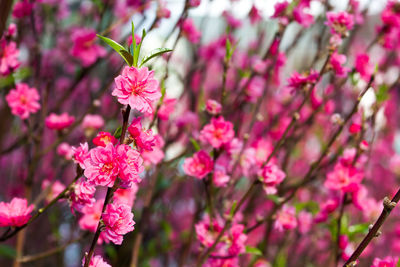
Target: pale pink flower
<point x="156" y="155"/>
<point x="59" y="122"/>
<point x="271" y="176"/>
<point x="344" y="178"/>
<point x="23" y="100"/>
<point x="305" y="221"/>
<point x="144" y="140"/>
<point x="218" y="132"/>
<point x="138" y="88"/>
<point x="92" y="121"/>
<point x="130" y="165"/>
<point x="84" y="47"/>
<point x="213" y="107"/>
<point x="65" y="150"/>
<point x="199" y="165"/>
<point x="54" y="189"/>
<point x="96" y="261"/>
<point x="8" y="57"/>
<point x="189" y="31"/>
<point x="104" y="138"/>
<point x="118" y="221"/>
<point x="286" y="218"/>
<point x="220" y="178"/>
<point x="102" y="166"/>
<point x="81" y="153"/>
<point x="82" y="194"/>
<point x="336" y="61"/>
<point x="16" y="213"/>
<point x="126" y="196"/>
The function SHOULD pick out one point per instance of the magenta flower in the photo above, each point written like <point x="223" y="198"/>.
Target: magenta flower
<point x="189" y="31"/>
<point x="23" y="100"/>
<point x="138" y="88"/>
<point x="363" y="66"/>
<point x="386" y="262"/>
<point x="91" y="217"/>
<point x="102" y="165"/>
<point x="104" y="138"/>
<point x="298" y="81"/>
<point x="166" y="108"/>
<point x="118" y="221"/>
<point x="220" y="178"/>
<point x="199" y="165"/>
<point x="8" y="57"/>
<point x="144" y="140"/>
<point x="131" y="165"/>
<point x="286" y="218"/>
<point x="336" y="61"/>
<point x="85" y="48"/>
<point x="65" y="150"/>
<point x="339" y="23"/>
<point x="271" y="176"/>
<point x="16" y="213"/>
<point x="218" y="132"/>
<point x="96" y="261"/>
<point x="22" y="9"/>
<point x="59" y="122"/>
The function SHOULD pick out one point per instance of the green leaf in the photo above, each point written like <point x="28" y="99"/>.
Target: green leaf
<point x="195" y="144"/>
<point x="155" y="53"/>
<point x="274" y="198"/>
<point x="398" y="263"/>
<point x="7" y="251"/>
<point x="383" y="93"/>
<point x="119" y="48"/>
<point x="253" y="250"/>
<point x="233" y="208"/>
<point x="118" y="132"/>
<point x="311" y="206"/>
<point x="358" y="229"/>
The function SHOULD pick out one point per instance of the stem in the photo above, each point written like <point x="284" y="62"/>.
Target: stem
<point x="388" y="206"/>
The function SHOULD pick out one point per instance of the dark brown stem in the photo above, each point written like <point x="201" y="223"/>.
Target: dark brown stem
<point x="388" y="206"/>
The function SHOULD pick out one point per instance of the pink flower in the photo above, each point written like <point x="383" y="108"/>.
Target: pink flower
<point x="8" y="57"/>
<point x="138" y="88"/>
<point x="104" y="138"/>
<point x="118" y="221"/>
<point x="59" y="122"/>
<point x="297" y="81"/>
<point x="218" y="132"/>
<point x="126" y="196"/>
<point x="344" y="178"/>
<point x="91" y="217"/>
<point x="156" y="155"/>
<point x="166" y="108"/>
<point x="23" y="100"/>
<point x="302" y="17"/>
<point x="280" y="8"/>
<point x="220" y="178"/>
<point x="102" y="166"/>
<point x="339" y="23"/>
<point x="336" y="61"/>
<point x="364" y="66"/>
<point x="82" y="195"/>
<point x="199" y="165"/>
<point x="92" y="121"/>
<point x="386" y="262"/>
<point x="130" y="164"/>
<point x="286" y="218"/>
<point x="16" y="213"/>
<point x="189" y="31"/>
<point x="144" y="140"/>
<point x="65" y="150"/>
<point x="85" y="48"/>
<point x="81" y="153"/>
<point x="213" y="107"/>
<point x="96" y="261"/>
<point x="194" y="3"/>
<point x="271" y="176"/>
